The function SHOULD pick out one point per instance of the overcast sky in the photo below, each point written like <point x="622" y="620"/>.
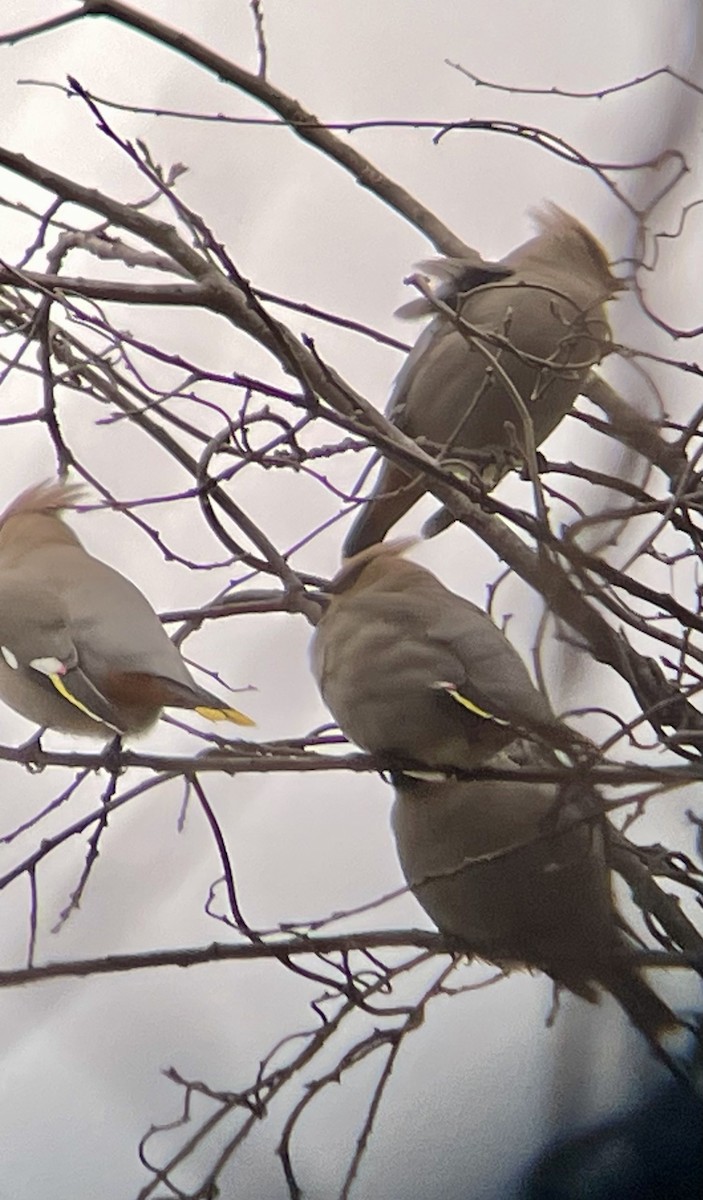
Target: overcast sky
<point x="484" y="1084"/>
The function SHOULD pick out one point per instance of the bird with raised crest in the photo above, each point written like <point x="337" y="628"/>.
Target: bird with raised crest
<point x="522" y="334"/>
<point x="81" y="649"/>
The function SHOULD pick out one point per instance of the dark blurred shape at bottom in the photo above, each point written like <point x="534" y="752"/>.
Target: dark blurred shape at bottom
<point x="654" y="1153"/>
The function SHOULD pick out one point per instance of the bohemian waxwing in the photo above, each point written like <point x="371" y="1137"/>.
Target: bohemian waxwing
<point x="414" y="673"/>
<point x="546" y="298"/>
<point x="540" y="897"/>
<point x="81" y="649"/>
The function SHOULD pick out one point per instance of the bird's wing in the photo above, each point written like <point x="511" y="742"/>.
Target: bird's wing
<point x="76" y="688"/>
<point x="113" y="625"/>
<point x="489" y="678"/>
<point x="124" y="658"/>
<point x="50" y="660"/>
<point x="441" y="369"/>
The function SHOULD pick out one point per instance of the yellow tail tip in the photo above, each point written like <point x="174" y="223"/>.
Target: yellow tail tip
<point x="224" y="714"/>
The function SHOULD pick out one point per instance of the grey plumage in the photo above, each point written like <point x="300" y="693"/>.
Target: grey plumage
<point x="542" y="894"/>
<point x="546" y="301"/>
<point x="416" y="673"/>
<point x="81" y="649"/>
<point x="423" y="679"/>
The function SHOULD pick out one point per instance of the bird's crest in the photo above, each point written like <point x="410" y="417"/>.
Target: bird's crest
<point x="553" y="222"/>
<point x="50" y="496"/>
<point x="352" y="567"/>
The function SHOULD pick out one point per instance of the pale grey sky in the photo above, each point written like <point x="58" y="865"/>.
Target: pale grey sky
<point x="481" y="1086"/>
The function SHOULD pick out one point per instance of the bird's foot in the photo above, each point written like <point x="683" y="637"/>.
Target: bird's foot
<point x="30" y="753"/>
<point x="112" y="756"/>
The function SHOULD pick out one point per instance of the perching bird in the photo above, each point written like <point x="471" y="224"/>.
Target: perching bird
<point x="415" y="673"/>
<point x="545" y="299"/>
<point x="542" y="895"/>
<point x="81" y="649"/>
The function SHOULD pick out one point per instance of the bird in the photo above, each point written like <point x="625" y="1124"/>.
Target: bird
<point x="81" y="649"/>
<point x="516" y="871"/>
<point x="417" y="674"/>
<point x="456" y="392"/>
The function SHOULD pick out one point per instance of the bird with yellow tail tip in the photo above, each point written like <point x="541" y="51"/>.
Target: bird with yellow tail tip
<point x="516" y="870"/>
<point x="81" y="649"/>
<point x="535" y="325"/>
<point x="417" y="674"/>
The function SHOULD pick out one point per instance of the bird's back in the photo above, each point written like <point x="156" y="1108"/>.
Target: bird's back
<point x="539" y="896"/>
<point x="110" y="620"/>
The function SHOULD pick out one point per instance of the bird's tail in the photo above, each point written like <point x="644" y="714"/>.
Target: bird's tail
<point x="647" y="1011"/>
<point x="209" y="706"/>
<point x="393" y="495"/>
<point x="222" y="713"/>
<point x="173" y="693"/>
